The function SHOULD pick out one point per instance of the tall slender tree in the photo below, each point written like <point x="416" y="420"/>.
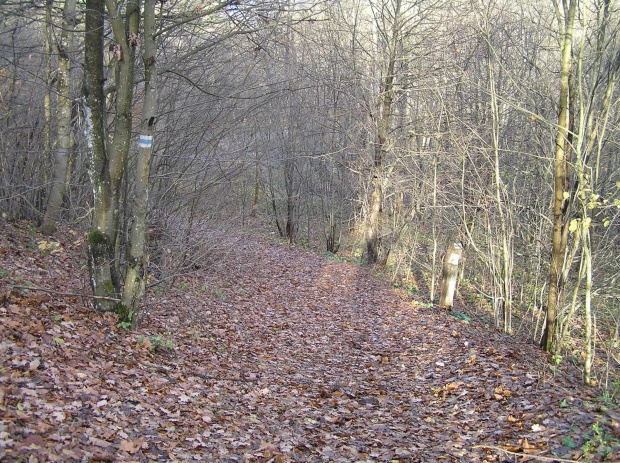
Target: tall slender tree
<point x="108" y="156"/>
<point x="392" y="37"/>
<point x="137" y="259"/>
<point x="562" y="166"/>
<point x="64" y="140"/>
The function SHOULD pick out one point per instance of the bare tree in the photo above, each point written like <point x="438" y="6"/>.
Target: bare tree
<point x="561" y="204"/>
<point x="64" y="140"/>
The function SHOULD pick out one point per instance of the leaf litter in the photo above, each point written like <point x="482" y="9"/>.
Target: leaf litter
<point x="272" y="354"/>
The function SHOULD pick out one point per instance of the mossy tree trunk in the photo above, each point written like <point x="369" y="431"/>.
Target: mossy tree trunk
<point x="100" y="242"/>
<point x="107" y="160"/>
<point x="137" y="259"/>
<point x="108" y="154"/>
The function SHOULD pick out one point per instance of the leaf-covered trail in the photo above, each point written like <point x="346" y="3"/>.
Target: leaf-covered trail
<point x="277" y="354"/>
<point x="351" y="369"/>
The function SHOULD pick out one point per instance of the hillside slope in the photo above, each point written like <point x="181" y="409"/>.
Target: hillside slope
<point x="270" y="353"/>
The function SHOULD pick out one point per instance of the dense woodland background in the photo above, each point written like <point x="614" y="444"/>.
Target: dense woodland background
<point x="380" y="131"/>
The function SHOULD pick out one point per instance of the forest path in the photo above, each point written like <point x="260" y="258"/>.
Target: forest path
<point x="348" y="369"/>
<point x="273" y="353"/>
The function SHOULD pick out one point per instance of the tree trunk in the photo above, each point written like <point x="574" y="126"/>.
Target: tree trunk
<point x="137" y="259"/>
<point x="107" y="161"/>
<point x="64" y="141"/>
<point x="450" y="274"/>
<point x="274" y="205"/>
<point x="503" y="270"/>
<point x="561" y="193"/>
<point x="292" y="198"/>
<point x="372" y="228"/>
<point x="434" y="255"/>
<point x="104" y="281"/>
<point x="383" y="125"/>
<point x="47" y="105"/>
<point x="256" y="191"/>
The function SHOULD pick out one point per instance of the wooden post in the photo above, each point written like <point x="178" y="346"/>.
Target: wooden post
<point x="450" y="274"/>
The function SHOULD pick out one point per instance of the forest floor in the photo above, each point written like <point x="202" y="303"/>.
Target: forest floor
<point x="272" y="353"/>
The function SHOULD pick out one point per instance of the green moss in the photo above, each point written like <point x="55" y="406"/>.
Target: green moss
<point x="124" y="314"/>
<point x="96" y="238"/>
<point x="109" y="287"/>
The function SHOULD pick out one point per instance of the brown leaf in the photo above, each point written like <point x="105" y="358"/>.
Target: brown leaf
<point x="268" y="449"/>
<point x="33" y="439"/>
<point x="102" y="456"/>
<point x="130" y="446"/>
<point x="99" y="442"/>
<point x="281" y="352"/>
<point x="527" y="447"/>
<point x="132" y="38"/>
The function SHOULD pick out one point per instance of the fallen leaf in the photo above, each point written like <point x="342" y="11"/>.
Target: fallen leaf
<point x="99" y="442"/>
<point x="268" y="449"/>
<point x="32" y="439"/>
<point x="130" y="446"/>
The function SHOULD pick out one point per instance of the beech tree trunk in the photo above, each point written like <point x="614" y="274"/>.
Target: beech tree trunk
<point x="107" y="160"/>
<point x="137" y="259"/>
<point x="101" y="239"/>
<point x="64" y="141"/>
<point x="47" y="104"/>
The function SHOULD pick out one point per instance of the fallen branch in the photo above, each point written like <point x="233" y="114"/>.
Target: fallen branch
<point x="538" y="457"/>
<point x="59" y="293"/>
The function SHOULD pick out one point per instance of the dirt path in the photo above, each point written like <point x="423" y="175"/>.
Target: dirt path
<point x="277" y="354"/>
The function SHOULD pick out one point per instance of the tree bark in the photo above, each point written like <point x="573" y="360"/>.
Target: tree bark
<point x="107" y="161"/>
<point x="434" y="219"/>
<point x="256" y="191"/>
<point x="292" y="199"/>
<point x="450" y="274"/>
<point x="64" y="141"/>
<point x="104" y="281"/>
<point x="47" y="104"/>
<point x="372" y="228"/>
<point x="274" y="206"/>
<point x="381" y="143"/>
<point x="587" y="256"/>
<point x="561" y="190"/>
<point x="137" y="259"/>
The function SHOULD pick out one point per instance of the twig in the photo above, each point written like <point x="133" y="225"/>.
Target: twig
<point x="58" y="293"/>
<point x="539" y="457"/>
